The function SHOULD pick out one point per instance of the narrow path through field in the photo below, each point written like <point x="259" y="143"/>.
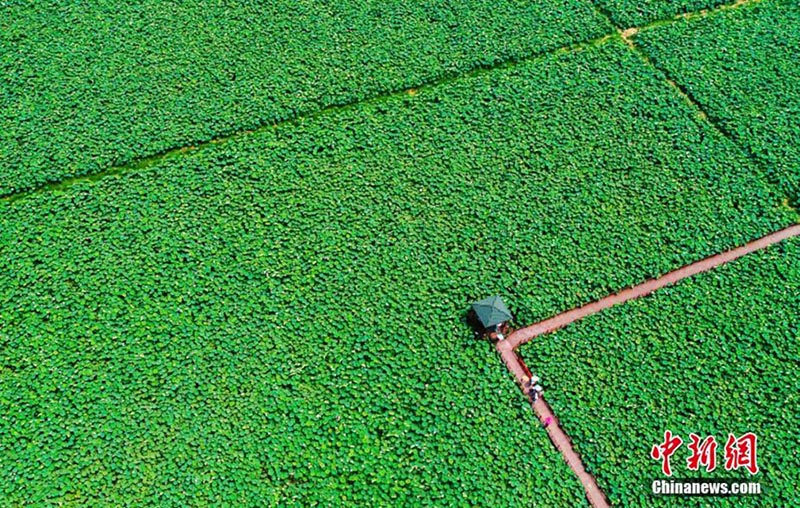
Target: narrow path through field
<point x="543" y="411"/>
<point x="523" y="335"/>
<point x="557" y="435"/>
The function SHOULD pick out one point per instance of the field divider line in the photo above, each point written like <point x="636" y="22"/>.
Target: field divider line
<point x="703" y="116"/>
<point x="691" y="16"/>
<point x="523" y="335"/>
<point x="629" y="32"/>
<point x="148" y="161"/>
<point x="559" y="438"/>
<point x="145" y="162"/>
<point x="629" y="35"/>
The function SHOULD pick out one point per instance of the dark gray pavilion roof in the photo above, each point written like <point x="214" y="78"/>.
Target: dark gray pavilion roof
<point x="491" y="311"/>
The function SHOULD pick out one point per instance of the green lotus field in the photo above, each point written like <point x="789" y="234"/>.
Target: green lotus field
<point x="86" y="87"/>
<point x="741" y="67"/>
<point x="713" y="355"/>
<point x="636" y="13"/>
<point x="238" y="242"/>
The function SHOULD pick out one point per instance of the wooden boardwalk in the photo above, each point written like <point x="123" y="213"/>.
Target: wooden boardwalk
<point x="543" y="411"/>
<point x="557" y="435"/>
<point x="523" y="335"/>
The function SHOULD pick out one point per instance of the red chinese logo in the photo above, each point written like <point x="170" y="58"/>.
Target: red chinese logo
<point x="665" y="450"/>
<point x="741" y="452"/>
<point x="703" y="454"/>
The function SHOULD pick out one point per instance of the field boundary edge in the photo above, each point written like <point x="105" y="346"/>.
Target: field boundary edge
<point x="479" y="69"/>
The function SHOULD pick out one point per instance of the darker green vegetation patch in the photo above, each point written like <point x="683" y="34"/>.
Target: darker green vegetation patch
<point x="741" y="66"/>
<point x="84" y="87"/>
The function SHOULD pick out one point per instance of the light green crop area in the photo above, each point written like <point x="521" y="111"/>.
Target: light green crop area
<point x="278" y="319"/>
<point x="89" y="85"/>
<point x="717" y="354"/>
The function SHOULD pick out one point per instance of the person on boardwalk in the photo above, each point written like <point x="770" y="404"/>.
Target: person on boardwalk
<point x="547" y="422"/>
<point x="535" y="391"/>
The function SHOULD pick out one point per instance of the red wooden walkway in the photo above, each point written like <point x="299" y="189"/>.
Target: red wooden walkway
<point x="543" y="411"/>
<point x="557" y="435"/>
<point x="554" y="323"/>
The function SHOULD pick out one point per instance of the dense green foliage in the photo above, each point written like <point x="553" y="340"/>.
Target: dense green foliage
<point x="632" y="13"/>
<point x="84" y="86"/>
<point x="741" y="66"/>
<point x="277" y="319"/>
<point x="716" y="354"/>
